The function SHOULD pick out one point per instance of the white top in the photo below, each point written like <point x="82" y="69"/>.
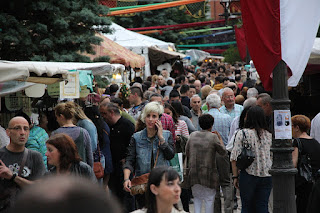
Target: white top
<point x="315" y="127"/>
<point x="263" y="157"/>
<point x="233" y="129"/>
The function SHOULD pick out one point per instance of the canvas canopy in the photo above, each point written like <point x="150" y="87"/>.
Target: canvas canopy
<point x="16" y="76"/>
<point x="158" y="56"/>
<point x="137" y="43"/>
<point x="30" y="70"/>
<point x="117" y="53"/>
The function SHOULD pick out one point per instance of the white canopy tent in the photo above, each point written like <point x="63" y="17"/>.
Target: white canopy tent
<point x="137" y="43"/>
<point x="19" y="75"/>
<point x="22" y="70"/>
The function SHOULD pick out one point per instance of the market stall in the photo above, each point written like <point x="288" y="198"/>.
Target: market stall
<point x="16" y="76"/>
<point x="137" y="43"/>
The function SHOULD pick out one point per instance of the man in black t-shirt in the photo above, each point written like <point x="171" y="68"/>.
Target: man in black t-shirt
<point x="11" y="159"/>
<point x="121" y="130"/>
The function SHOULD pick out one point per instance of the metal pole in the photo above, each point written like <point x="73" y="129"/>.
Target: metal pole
<point x="282" y="170"/>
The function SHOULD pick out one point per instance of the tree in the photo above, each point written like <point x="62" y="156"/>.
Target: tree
<point x="167" y="16"/>
<point x="50" y="30"/>
<point x="231" y="55"/>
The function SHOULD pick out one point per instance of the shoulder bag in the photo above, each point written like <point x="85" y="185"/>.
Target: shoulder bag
<point x="304" y="166"/>
<point x="139" y="184"/>
<point x="97" y="166"/>
<point x="246" y="156"/>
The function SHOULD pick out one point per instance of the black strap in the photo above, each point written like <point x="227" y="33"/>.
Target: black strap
<point x="23" y="162"/>
<point x="299" y="145"/>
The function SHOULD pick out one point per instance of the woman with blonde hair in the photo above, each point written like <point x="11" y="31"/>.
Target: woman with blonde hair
<point x="82" y="120"/>
<point x="65" y="113"/>
<point x="205" y="92"/>
<point x="150" y="147"/>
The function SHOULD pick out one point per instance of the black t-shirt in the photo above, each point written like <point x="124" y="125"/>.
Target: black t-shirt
<point x="185" y="100"/>
<point x="311" y="147"/>
<point x="33" y="168"/>
<point x="120" y="135"/>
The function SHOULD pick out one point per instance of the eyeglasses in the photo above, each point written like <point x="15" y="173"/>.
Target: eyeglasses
<point x="229" y="97"/>
<point x="20" y="128"/>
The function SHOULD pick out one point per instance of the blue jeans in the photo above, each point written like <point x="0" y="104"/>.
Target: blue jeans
<point x="254" y="193"/>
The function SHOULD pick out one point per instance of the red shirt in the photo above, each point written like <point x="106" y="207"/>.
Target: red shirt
<point x="168" y="124"/>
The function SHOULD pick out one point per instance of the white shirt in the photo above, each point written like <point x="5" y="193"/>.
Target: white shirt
<point x="315" y="127"/>
<point x="233" y="130"/>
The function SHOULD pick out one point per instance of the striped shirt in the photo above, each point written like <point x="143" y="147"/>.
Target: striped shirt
<point x="222" y="123"/>
<point x="236" y="111"/>
<point x="182" y="128"/>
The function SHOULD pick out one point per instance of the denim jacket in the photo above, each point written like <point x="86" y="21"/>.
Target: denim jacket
<point x="138" y="159"/>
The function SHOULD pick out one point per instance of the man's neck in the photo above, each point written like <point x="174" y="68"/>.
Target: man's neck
<point x="138" y="102"/>
<point x="15" y="148"/>
<point x="197" y="112"/>
<point x="116" y="119"/>
<point x="230" y="107"/>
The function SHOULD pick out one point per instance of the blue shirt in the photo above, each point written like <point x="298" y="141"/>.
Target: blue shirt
<point x="236" y="111"/>
<point x="37" y="142"/>
<point x="222" y="123"/>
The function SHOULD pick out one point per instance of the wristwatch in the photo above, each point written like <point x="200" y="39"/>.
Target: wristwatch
<point x="235" y="177"/>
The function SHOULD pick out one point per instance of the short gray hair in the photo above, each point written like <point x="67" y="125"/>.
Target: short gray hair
<point x="252" y="92"/>
<point x="151" y="107"/>
<point x="213" y="100"/>
<point x="265" y="98"/>
<point x="195" y="96"/>
<point x="225" y="90"/>
<point x="111" y="107"/>
<point x="249" y="102"/>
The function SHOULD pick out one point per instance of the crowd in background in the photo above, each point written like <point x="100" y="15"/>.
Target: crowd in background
<point x="206" y="114"/>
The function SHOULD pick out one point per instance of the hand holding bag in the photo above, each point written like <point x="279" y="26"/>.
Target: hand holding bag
<point x="97" y="166"/>
<point x="246" y="156"/>
<point x="139" y="184"/>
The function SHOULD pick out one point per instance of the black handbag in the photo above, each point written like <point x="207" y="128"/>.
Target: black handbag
<point x="304" y="166"/>
<point x="246" y="156"/>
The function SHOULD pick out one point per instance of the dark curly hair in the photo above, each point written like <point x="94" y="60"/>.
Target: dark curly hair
<point x="67" y="149"/>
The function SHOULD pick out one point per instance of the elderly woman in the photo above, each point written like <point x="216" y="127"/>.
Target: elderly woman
<point x="202" y="174"/>
<point x="304" y="145"/>
<point x="148" y="148"/>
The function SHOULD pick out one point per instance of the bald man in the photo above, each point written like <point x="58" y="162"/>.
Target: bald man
<point x="13" y="157"/>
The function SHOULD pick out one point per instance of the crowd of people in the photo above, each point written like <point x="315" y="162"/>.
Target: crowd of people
<point x="209" y="115"/>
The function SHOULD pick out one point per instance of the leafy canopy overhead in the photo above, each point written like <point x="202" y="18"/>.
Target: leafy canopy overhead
<point x="50" y="30"/>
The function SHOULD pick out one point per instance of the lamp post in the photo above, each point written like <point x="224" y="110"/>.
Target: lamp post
<point x="282" y="170"/>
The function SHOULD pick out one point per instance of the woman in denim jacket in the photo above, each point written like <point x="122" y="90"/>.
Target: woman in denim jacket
<point x="142" y="151"/>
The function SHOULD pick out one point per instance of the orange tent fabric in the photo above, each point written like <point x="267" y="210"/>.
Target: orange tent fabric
<point x="117" y="53"/>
